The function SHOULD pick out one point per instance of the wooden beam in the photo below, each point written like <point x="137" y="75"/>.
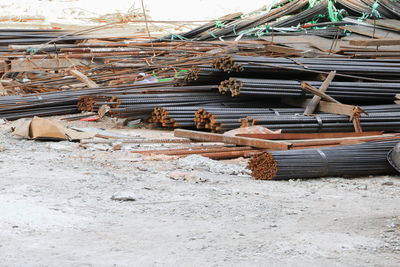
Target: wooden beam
<point x="315" y="100"/>
<point x="30" y="65"/>
<point x="83" y="78"/>
<point x="337" y="108"/>
<point x="3" y="91"/>
<point x="375" y="42"/>
<point x="241" y="141"/>
<point x="309" y="88"/>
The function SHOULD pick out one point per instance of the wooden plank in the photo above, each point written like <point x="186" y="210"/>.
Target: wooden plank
<point x="283" y="50"/>
<point x="237" y="140"/>
<point x="392" y="24"/>
<point x="376" y="42"/>
<point x="370" y="32"/>
<point x="2" y="90"/>
<point x="83" y="78"/>
<point x="309" y="88"/>
<point x="294" y="136"/>
<point x="331" y="141"/>
<point x="29" y="65"/>
<point x="315" y="100"/>
<point x="336" y="108"/>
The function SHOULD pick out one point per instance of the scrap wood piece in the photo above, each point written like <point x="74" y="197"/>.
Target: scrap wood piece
<point x="309" y="88"/>
<point x="242" y="141"/>
<point x="332" y="104"/>
<point x="340" y="109"/>
<point x="390" y="24"/>
<point x="370" y="31"/>
<point x="3" y="91"/>
<point x="324" y="106"/>
<point x="193" y="150"/>
<point x="31" y="65"/>
<point x="137" y="141"/>
<point x="375" y="42"/>
<point x="83" y="78"/>
<point x="219" y="152"/>
<point x="315" y="100"/>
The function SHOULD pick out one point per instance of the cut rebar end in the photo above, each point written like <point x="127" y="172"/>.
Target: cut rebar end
<point x="263" y="167"/>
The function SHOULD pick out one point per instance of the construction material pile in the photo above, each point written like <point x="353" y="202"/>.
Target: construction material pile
<point x="294" y="67"/>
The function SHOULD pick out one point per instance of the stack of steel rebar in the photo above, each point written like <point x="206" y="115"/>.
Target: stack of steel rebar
<point x="219" y="119"/>
<point x="356" y="92"/>
<point x="345" y="67"/>
<point x="375" y="120"/>
<point x="365" y="159"/>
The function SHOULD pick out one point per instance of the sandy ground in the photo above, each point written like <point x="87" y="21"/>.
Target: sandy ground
<point x="56" y="210"/>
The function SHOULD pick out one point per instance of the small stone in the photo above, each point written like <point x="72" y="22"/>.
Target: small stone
<point x="123" y="196"/>
<point x="185" y="176"/>
<point x="2" y="148"/>
<point x="117" y="147"/>
<point x="362" y="187"/>
<point x="63" y="146"/>
<point x="388" y="183"/>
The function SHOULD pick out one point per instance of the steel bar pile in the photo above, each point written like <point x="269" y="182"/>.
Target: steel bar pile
<point x="57" y="103"/>
<point x="143" y="104"/>
<point x="204" y="75"/>
<point x="377" y="121"/>
<point x="350" y="91"/>
<point x="174" y="117"/>
<point x="113" y="63"/>
<point x="365" y="159"/>
<point x="388" y="68"/>
<point x="220" y="120"/>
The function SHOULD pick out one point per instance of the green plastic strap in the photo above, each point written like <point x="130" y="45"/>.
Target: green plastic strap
<point x="177" y="36"/>
<point x="212" y="34"/>
<point x="331" y="12"/>
<point x="180" y="72"/>
<point x="166" y="80"/>
<point x="219" y="24"/>
<point x="234" y="29"/>
<point x="32" y="50"/>
<point x="312" y="3"/>
<point x="374" y="10"/>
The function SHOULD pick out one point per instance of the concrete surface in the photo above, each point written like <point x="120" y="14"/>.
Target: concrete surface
<point x="56" y="210"/>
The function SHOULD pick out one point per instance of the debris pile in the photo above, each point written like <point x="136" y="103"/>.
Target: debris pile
<point x="294" y="67"/>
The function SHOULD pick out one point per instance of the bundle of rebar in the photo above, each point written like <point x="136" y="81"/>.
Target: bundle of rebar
<point x="174" y="117"/>
<point x="221" y="120"/>
<point x="388" y="68"/>
<point x="365" y="159"/>
<point x="379" y="121"/>
<point x="60" y="102"/>
<point x="355" y="91"/>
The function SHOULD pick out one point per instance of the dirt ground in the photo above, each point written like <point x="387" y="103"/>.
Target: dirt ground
<point x="60" y="207"/>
